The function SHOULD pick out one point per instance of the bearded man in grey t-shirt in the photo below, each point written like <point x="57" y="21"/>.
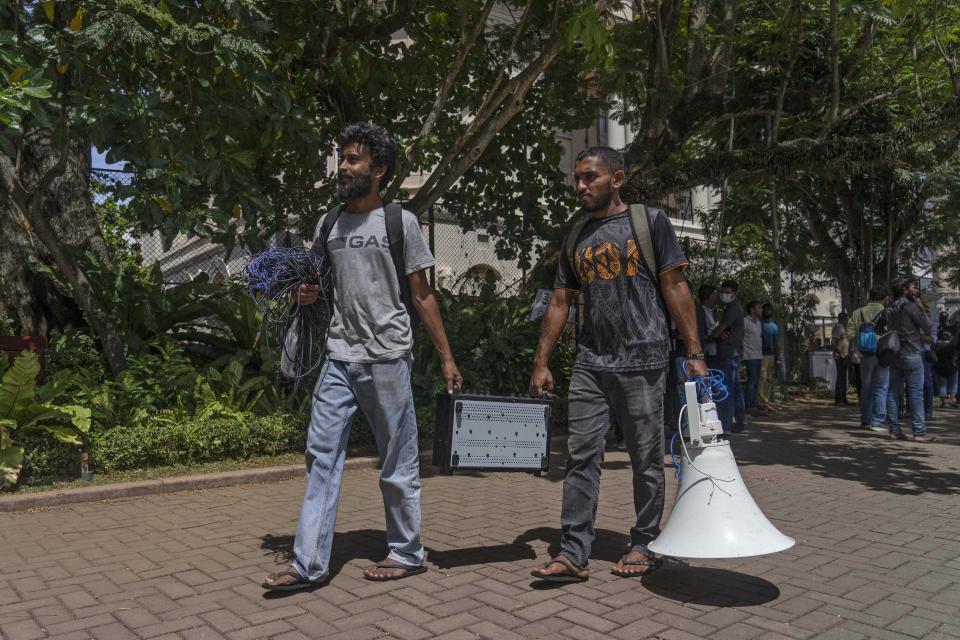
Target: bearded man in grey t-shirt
<point x="368" y="366"/>
<point x="622" y="354"/>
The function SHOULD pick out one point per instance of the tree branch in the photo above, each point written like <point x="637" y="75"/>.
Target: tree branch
<point x="834" y="64"/>
<point x="447" y="173"/>
<point x="447" y="85"/>
<point x="951" y="61"/>
<point x="441" y="101"/>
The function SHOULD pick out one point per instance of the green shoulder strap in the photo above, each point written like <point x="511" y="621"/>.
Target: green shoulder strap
<point x="581" y="218"/>
<point x="641" y="229"/>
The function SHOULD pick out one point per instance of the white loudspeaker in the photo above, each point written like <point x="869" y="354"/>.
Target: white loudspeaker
<point x="714" y="515"/>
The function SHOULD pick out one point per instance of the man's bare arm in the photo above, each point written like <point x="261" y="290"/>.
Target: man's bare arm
<point x="425" y="302"/>
<point x="676" y="293"/>
<point x="554" y="320"/>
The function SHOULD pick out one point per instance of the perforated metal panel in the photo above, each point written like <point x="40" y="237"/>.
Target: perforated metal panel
<point x="491" y="434"/>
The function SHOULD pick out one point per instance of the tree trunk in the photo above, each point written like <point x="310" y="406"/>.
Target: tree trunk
<point x="28" y="297"/>
<point x="55" y="229"/>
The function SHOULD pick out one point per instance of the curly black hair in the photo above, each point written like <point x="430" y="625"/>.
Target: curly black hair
<point x="383" y="148"/>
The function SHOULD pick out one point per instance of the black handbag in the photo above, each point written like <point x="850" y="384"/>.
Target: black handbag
<point x="888" y="343"/>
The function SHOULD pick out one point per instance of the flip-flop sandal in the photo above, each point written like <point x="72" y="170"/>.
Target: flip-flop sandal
<point x="300" y="584"/>
<point x="408" y="570"/>
<point x="651" y="562"/>
<point x="570" y="576"/>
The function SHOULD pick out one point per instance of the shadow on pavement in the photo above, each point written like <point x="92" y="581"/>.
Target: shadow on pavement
<point x="607" y="547"/>
<point x="708" y="586"/>
<point x="469" y="556"/>
<point x="859" y="455"/>
<point x="363" y="544"/>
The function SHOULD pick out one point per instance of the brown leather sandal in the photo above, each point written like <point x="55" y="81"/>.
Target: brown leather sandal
<point x="652" y="563"/>
<point x="573" y="573"/>
<point x="299" y="582"/>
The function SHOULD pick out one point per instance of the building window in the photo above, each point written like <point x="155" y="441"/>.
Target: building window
<point x="602" y="129"/>
<point x="483" y="237"/>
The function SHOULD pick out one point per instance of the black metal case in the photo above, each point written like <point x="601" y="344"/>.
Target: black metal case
<point x="491" y="433"/>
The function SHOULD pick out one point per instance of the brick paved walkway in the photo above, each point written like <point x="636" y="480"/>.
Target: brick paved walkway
<point x="877" y="556"/>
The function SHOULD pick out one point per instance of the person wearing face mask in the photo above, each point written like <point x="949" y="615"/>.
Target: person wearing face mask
<point x="728" y="335"/>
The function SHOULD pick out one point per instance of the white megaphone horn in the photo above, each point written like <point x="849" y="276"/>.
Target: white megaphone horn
<point x="714" y="516"/>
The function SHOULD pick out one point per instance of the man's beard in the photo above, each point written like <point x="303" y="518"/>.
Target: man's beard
<point x="602" y="201"/>
<point x="356" y="186"/>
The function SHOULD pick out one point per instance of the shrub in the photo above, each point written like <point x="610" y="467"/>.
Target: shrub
<point x="75" y="351"/>
<point x="26" y="409"/>
<point x="171" y="437"/>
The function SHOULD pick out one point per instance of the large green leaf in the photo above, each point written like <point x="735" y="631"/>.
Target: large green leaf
<point x="18" y="384"/>
<point x="10" y="460"/>
<point x="61" y="432"/>
<point x="39" y="415"/>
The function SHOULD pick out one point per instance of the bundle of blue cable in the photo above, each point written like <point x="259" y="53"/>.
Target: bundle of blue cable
<point x="295" y="331"/>
<point x="710" y="388"/>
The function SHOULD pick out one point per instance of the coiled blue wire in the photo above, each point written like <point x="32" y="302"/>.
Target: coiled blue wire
<point x="710" y="387"/>
<point x="273" y="278"/>
<point x="277" y="271"/>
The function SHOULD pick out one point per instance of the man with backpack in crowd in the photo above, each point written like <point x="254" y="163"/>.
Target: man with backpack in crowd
<point x="862" y="334"/>
<point x="628" y="265"/>
<point x="378" y="258"/>
<point x="913" y="332"/>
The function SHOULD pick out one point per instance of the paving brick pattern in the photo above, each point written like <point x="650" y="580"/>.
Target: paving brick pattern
<point x="877" y="525"/>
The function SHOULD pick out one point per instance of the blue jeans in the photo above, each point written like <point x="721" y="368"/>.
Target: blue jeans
<point x="868" y="375"/>
<point x="946" y="385"/>
<point x="731" y="410"/>
<point x="928" y="388"/>
<point x="908" y="371"/>
<point x="881" y="389"/>
<point x="382" y="391"/>
<point x="753" y="382"/>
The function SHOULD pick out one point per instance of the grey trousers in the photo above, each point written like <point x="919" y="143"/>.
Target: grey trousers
<point x="635" y="401"/>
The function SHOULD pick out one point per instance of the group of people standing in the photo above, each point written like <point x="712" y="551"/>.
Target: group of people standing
<point x="889" y="380"/>
<point x="739" y="339"/>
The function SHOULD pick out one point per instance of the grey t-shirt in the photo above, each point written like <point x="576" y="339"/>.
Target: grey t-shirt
<point x="752" y="338"/>
<point x="369" y="322"/>
<point x="732" y="319"/>
<point x="625" y="325"/>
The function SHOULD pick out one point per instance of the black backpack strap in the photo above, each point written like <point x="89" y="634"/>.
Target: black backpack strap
<point x="322" y="234"/>
<point x="393" y="216"/>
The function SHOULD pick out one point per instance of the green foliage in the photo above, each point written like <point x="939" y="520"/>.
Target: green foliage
<point x="25" y="409"/>
<point x="7" y="327"/>
<point x="173" y="437"/>
<point x="75" y="351"/>
<point x="158" y="379"/>
<point x="229" y="389"/>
